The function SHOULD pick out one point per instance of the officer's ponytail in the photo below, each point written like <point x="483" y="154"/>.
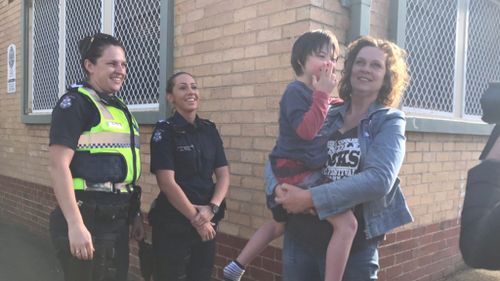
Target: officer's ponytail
<point x="92" y="46"/>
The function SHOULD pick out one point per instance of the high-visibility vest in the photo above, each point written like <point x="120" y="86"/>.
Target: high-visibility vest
<point x="111" y="136"/>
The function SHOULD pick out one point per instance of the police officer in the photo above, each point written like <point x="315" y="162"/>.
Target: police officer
<point x="185" y="153"/>
<point x="94" y="163"/>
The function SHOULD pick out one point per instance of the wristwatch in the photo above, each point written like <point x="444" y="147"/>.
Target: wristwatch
<point x="213" y="207"/>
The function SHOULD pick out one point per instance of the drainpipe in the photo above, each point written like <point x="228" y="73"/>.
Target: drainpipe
<point x="360" y="18"/>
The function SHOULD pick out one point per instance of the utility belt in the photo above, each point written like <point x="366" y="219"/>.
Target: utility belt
<point x="92" y="210"/>
<point x="98" y="206"/>
<point x="120" y="187"/>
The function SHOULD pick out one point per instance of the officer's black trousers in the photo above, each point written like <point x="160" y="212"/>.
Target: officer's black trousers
<point x="180" y="255"/>
<point x="109" y="235"/>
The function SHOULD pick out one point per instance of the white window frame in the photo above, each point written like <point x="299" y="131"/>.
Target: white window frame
<point x="421" y="120"/>
<point x="145" y="114"/>
<point x="460" y="69"/>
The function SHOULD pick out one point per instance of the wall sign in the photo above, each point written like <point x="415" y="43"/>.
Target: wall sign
<point x="11" y="68"/>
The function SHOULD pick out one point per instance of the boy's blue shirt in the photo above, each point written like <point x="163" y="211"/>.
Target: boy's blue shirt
<point x="295" y="102"/>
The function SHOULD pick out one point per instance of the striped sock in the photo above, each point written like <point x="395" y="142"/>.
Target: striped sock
<point x="233" y="271"/>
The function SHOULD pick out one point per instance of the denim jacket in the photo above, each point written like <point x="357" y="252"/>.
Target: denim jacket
<point x="376" y="186"/>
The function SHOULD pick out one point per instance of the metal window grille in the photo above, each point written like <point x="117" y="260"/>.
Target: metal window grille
<point x="137" y="24"/>
<point x="45" y="54"/>
<point x="483" y="52"/>
<point x="83" y="17"/>
<point x="430" y="42"/>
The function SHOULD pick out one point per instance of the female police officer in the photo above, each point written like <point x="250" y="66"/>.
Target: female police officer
<point x="185" y="152"/>
<point x="94" y="164"/>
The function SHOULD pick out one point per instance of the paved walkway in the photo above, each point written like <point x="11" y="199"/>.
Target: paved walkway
<point x="27" y="257"/>
<point x="475" y="275"/>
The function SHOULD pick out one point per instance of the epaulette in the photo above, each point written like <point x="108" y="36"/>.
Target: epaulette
<point x="164" y="124"/>
<point x="206" y="122"/>
<point x="73" y="88"/>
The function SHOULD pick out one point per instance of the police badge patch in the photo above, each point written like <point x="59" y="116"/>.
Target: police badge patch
<point x="65" y="103"/>
<point x="157" y="136"/>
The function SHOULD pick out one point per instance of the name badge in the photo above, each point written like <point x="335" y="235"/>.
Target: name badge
<point x="183" y="148"/>
<point x="115" y="125"/>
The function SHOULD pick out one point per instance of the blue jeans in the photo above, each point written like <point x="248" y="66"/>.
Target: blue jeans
<point x="300" y="263"/>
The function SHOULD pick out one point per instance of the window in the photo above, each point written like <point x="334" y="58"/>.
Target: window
<point x="54" y="29"/>
<point x="452" y="55"/>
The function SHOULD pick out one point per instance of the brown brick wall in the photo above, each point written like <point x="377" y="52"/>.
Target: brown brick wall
<point x="240" y="51"/>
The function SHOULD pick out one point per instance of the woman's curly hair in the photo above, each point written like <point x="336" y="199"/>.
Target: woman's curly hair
<point x="396" y="76"/>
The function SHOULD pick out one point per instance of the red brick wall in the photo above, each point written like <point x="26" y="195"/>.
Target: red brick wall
<point x="423" y="253"/>
<point x="27" y="204"/>
<point x="420" y="254"/>
<point x="266" y="266"/>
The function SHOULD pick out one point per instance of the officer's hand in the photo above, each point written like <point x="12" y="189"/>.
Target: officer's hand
<point x="327" y="79"/>
<point x="206" y="231"/>
<point x="137" y="231"/>
<point x="203" y="216"/>
<point x="80" y="242"/>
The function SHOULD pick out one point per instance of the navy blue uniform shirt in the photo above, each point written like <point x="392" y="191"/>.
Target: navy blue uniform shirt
<point x="193" y="152"/>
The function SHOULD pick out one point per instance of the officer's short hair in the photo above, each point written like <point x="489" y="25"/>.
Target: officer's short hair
<point x="309" y="42"/>
<point x="92" y="46"/>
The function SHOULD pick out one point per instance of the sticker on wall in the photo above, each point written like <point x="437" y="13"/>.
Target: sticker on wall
<point x="11" y="68"/>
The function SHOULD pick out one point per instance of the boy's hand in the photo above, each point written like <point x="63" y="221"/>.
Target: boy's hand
<point x="327" y="80"/>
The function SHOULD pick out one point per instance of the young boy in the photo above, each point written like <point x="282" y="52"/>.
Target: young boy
<point x="300" y="152"/>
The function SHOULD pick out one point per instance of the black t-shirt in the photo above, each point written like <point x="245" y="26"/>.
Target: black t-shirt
<point x="344" y="155"/>
<point x="193" y="152"/>
<point x="344" y="158"/>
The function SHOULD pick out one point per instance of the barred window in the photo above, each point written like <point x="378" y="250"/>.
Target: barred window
<point x="452" y="55"/>
<point x="56" y="28"/>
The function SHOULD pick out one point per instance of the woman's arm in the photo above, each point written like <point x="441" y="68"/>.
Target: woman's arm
<point x="175" y="195"/>
<point x="80" y="240"/>
<point x="381" y="166"/>
<point x="178" y="199"/>
<point x="205" y="213"/>
<point x="221" y="186"/>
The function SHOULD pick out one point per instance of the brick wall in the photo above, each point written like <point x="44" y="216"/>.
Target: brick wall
<point x="239" y="51"/>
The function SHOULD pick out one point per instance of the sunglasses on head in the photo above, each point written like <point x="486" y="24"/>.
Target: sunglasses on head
<point x="97" y="37"/>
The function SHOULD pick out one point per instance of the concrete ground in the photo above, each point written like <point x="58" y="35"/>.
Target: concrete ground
<point x="475" y="275"/>
<point x="27" y="257"/>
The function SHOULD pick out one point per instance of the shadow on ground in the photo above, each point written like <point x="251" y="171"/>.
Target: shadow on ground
<point x="26" y="257"/>
<point x="475" y="275"/>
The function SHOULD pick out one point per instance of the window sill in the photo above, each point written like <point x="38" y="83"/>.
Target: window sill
<point x="447" y="126"/>
<point x="143" y="118"/>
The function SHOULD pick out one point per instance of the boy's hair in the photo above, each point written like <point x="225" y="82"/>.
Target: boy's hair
<point x="311" y="42"/>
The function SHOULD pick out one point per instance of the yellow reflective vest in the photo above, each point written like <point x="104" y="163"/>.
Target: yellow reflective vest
<point x="111" y="136"/>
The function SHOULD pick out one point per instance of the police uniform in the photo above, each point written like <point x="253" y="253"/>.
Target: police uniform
<point x="105" y="167"/>
<point x="193" y="152"/>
